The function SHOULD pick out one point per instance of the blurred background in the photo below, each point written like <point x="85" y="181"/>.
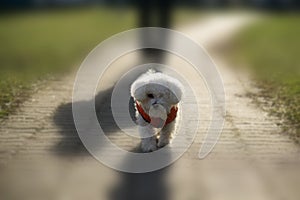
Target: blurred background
<point x="40" y="38"/>
<point x="44" y="41"/>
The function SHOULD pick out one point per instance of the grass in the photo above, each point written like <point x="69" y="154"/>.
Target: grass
<point x="36" y="44"/>
<point x="270" y="49"/>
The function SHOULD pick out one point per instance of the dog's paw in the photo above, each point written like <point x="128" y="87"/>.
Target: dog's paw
<point x="148" y="146"/>
<point x="163" y="142"/>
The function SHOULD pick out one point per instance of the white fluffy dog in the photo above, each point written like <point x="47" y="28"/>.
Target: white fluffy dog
<point x="157" y="98"/>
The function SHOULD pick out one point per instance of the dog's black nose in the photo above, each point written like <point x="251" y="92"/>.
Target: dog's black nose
<point x="155" y="102"/>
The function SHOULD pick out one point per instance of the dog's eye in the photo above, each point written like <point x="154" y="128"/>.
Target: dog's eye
<point x="151" y="96"/>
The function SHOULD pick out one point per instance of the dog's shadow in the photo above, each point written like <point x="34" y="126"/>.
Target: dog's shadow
<point x="130" y="186"/>
<point x="70" y="143"/>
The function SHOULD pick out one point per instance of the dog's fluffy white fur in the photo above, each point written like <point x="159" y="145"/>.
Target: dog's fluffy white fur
<point x="159" y="92"/>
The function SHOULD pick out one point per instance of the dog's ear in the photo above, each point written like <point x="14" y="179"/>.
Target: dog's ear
<point x="174" y="99"/>
<point x="139" y="94"/>
<point x="176" y="93"/>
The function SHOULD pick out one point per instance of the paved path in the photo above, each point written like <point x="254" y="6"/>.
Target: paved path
<point x="41" y="156"/>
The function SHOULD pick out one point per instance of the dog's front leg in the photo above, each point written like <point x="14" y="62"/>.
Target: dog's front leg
<point x="148" y="135"/>
<point x="166" y="135"/>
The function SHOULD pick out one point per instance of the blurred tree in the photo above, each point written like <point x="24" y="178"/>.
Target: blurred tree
<point x="265" y="4"/>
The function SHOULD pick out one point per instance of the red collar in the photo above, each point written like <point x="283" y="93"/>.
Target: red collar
<point x="171" y="116"/>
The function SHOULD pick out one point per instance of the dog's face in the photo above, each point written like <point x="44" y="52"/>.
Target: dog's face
<point x="156" y="91"/>
<point x="152" y="95"/>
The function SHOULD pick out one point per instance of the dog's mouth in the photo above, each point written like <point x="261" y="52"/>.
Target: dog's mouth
<point x="157" y="122"/>
<point x="158" y="116"/>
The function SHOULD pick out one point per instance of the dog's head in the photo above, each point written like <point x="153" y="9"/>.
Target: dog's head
<point x="154" y="89"/>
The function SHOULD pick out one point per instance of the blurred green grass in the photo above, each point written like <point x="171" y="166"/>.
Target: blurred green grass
<point x="270" y="49"/>
<point x="36" y="44"/>
<point x="40" y="44"/>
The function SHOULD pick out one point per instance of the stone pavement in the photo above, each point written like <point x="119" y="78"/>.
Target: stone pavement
<point x="41" y="156"/>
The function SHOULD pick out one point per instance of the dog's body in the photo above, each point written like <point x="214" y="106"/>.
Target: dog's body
<point x="157" y="98"/>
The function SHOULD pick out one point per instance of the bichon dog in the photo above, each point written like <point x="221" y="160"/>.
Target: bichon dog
<point x="157" y="98"/>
